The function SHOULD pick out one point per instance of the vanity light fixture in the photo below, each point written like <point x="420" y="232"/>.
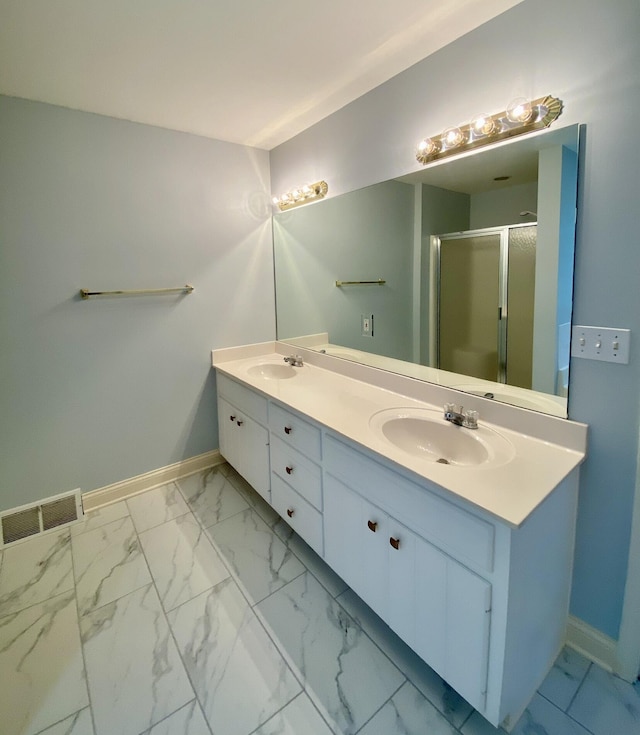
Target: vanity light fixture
<point x="521" y="116"/>
<point x="303" y="195"/>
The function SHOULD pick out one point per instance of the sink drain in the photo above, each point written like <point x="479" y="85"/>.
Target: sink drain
<point x="442" y="460"/>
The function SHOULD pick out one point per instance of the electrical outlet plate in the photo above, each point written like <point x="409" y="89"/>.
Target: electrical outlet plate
<point x="601" y="343"/>
<point x="366" y="325"/>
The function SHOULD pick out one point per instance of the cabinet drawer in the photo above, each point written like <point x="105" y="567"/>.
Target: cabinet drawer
<point x="295" y="431"/>
<point x="456" y="531"/>
<point x="247" y="400"/>
<point x="300" y="515"/>
<point x="301" y="473"/>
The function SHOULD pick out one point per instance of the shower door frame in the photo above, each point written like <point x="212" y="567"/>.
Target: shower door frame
<point x="503" y="277"/>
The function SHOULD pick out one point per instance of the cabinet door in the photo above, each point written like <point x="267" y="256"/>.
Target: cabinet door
<point x="245" y="445"/>
<point x="227" y="432"/>
<point x="341" y="541"/>
<point x="430" y="605"/>
<point x="356" y="543"/>
<point x="435" y="604"/>
<point x="401" y="553"/>
<point x="468" y="619"/>
<point x="453" y="607"/>
<point x="254" y="440"/>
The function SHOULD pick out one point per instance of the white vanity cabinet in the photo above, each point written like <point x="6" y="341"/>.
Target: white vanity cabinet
<point x="484" y="604"/>
<point x="483" y="601"/>
<point x="435" y="604"/>
<point x="243" y="436"/>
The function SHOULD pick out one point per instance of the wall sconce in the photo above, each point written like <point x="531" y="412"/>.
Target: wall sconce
<point x="521" y="116"/>
<point x="304" y="195"/>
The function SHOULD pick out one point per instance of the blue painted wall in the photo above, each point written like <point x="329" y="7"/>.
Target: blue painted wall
<point x="92" y="392"/>
<point x="587" y="54"/>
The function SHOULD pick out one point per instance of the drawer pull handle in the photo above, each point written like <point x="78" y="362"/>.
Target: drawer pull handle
<point x="287" y="429"/>
<point x="289" y="470"/>
<point x="373" y="525"/>
<point x="239" y="422"/>
<point x="232" y="418"/>
<point x="290" y="512"/>
<point x="395" y="542"/>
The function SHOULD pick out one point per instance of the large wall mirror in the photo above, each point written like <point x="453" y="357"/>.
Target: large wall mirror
<point x="460" y="274"/>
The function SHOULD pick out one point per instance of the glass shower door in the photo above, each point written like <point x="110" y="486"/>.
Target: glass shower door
<point x="470" y="305"/>
<point x="520" y="297"/>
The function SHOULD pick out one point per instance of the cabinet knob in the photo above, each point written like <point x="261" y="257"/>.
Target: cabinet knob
<point x="395" y="542"/>
<point x="373" y="525"/>
<point x="290" y="512"/>
<point x="289" y="470"/>
<point x="287" y="429"/>
<point x="232" y="418"/>
<point x="239" y="422"/>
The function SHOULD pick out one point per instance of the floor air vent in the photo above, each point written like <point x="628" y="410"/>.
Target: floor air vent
<point x="29" y="520"/>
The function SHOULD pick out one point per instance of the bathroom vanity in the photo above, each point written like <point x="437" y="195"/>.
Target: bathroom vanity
<point x="460" y="540"/>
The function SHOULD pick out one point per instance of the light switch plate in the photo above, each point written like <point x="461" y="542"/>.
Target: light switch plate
<point x="601" y="343"/>
<point x="366" y="325"/>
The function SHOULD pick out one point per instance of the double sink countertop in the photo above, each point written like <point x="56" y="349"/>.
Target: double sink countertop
<point x="347" y="399"/>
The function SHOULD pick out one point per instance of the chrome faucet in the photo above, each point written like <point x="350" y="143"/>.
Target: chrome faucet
<point x="294" y="360"/>
<point x="458" y="416"/>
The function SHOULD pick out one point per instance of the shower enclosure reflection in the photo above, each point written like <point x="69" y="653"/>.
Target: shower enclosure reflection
<point x="484" y="276"/>
<point x="476" y="295"/>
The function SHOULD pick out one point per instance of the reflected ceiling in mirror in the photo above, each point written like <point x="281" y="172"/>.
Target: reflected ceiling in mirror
<point x="476" y="255"/>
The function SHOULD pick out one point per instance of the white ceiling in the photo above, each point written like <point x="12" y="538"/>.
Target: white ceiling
<point x="255" y="72"/>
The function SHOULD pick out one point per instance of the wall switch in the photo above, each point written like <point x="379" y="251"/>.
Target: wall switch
<point x="366" y="325"/>
<point x="601" y="343"/>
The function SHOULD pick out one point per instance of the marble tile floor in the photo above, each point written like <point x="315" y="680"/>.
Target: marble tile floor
<point x="193" y="609"/>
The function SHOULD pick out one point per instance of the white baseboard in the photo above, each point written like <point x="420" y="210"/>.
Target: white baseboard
<point x="135" y="485"/>
<point x="593" y="644"/>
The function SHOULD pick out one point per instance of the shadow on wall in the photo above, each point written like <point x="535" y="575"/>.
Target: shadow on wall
<point x="200" y="432"/>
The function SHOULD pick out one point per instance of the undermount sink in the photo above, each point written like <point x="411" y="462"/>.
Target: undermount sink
<point x="272" y="371"/>
<point x="424" y="434"/>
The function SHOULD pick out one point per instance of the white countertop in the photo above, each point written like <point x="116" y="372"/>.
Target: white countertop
<point x="512" y="395"/>
<point x="509" y="491"/>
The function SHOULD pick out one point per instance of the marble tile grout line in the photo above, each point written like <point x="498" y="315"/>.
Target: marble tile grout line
<point x="384" y="704"/>
<point x="571" y="701"/>
<point x="84" y="660"/>
<point x="164" y="613"/>
<point x="64" y="719"/>
<point x="464" y="722"/>
<point x="240" y="587"/>
<point x="579" y="687"/>
<point x="302" y="693"/>
<point x="171" y="633"/>
<point x="259" y="617"/>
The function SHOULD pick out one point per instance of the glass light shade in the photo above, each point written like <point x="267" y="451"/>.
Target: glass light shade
<point x="452" y="137"/>
<point x="427" y="147"/>
<point x="519" y="110"/>
<point x="483" y="125"/>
